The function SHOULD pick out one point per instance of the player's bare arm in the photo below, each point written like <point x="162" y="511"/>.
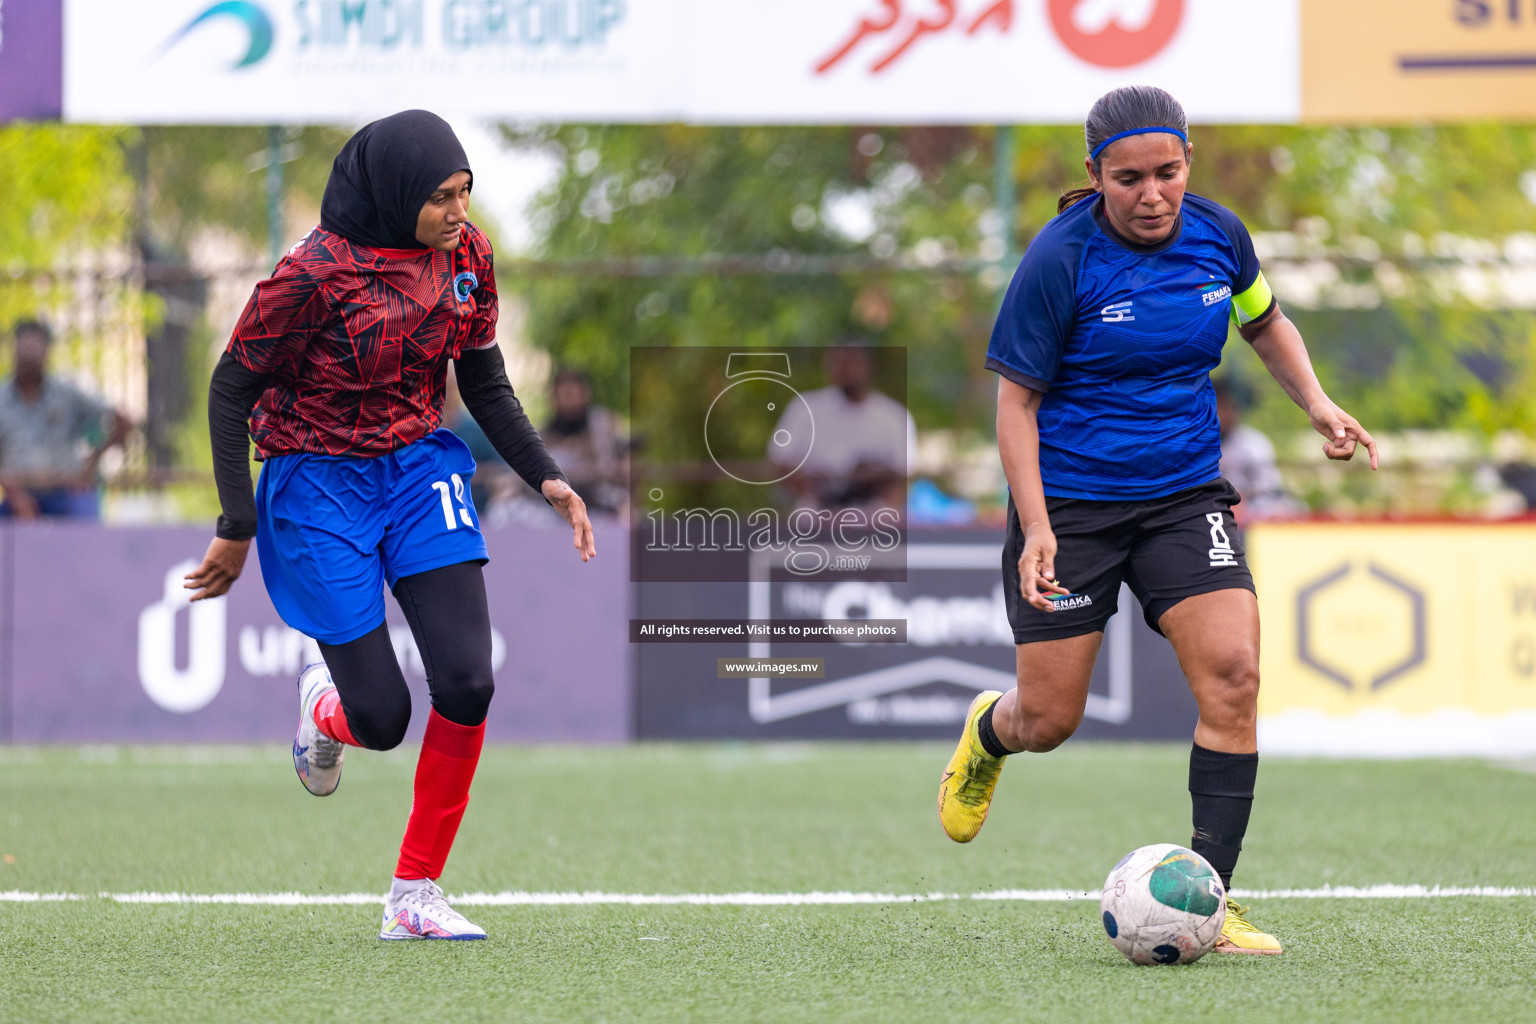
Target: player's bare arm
<point x="1279" y="344"/>
<point x="1018" y="438"/>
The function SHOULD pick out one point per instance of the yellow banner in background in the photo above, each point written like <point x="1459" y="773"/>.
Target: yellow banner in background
<point x="1410" y="620"/>
<point x="1410" y="60"/>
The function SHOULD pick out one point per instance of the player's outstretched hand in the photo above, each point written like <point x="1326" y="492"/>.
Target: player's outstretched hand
<point x="1037" y="569"/>
<point x="569" y="504"/>
<point x="221" y="567"/>
<point x="1343" y="434"/>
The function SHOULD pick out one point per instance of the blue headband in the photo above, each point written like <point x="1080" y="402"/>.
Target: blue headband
<point x="1135" y="131"/>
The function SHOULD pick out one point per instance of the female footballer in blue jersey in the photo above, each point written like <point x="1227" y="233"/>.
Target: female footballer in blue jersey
<point x="1107" y="429"/>
<point x="337" y="370"/>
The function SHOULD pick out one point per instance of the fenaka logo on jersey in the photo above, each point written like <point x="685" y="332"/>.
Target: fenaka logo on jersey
<point x="1117" y="313"/>
<point x="1221" y="553"/>
<point x="1214" y="293"/>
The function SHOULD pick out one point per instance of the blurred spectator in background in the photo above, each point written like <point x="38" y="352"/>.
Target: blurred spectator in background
<point x="1248" y="460"/>
<point x="52" y="435"/>
<point x="587" y="442"/>
<point x="1519" y="477"/>
<point x="864" y="441"/>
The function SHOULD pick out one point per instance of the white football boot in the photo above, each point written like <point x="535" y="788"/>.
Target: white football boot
<point x="419" y="910"/>
<point x="316" y="757"/>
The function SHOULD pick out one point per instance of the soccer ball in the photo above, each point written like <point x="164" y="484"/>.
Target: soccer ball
<point x="1163" y="904"/>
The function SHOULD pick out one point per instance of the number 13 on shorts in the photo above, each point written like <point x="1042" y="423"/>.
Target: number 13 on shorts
<point x="443" y="489"/>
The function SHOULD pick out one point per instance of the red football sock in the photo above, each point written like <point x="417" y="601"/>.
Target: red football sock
<point x="446" y="767"/>
<point x="332" y="720"/>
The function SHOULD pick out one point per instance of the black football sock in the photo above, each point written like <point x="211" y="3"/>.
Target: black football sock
<point x="1221" y="791"/>
<point x="989" y="741"/>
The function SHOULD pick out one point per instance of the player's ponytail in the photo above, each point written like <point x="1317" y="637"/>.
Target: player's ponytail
<point x="1126" y="110"/>
<point x="1072" y="195"/>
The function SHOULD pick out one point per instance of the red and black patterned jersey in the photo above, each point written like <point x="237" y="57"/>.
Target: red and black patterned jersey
<point x="356" y="341"/>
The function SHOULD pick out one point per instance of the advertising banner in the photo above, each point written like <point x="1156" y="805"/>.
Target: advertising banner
<point x="1397" y="640"/>
<point x="709" y="61"/>
<point x="763" y="61"/>
<point x="989" y="61"/>
<point x="103" y="646"/>
<point x="31" y="59"/>
<point x="328" y="61"/>
<point x="1416" y="60"/>
<point x="936" y="640"/>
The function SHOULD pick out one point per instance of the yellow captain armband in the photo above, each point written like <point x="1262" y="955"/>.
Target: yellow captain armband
<point x="1249" y="305"/>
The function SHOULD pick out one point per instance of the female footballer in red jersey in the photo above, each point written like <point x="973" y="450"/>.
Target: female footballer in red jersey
<point x="343" y="356"/>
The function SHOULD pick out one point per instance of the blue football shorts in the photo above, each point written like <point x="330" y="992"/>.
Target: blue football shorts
<point x="333" y="530"/>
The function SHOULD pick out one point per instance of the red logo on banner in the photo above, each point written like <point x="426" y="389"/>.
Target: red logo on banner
<point x="909" y="27"/>
<point x="1116" y="33"/>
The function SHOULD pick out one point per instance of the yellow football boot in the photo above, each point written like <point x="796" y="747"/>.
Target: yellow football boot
<point x="965" y="788"/>
<point x="1238" y="936"/>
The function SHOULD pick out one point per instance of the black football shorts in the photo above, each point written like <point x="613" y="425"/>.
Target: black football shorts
<point x="1165" y="548"/>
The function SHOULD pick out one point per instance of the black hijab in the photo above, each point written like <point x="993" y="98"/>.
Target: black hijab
<point x="384" y="175"/>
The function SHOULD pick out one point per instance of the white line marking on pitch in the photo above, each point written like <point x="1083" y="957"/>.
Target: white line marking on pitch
<point x="756" y="899"/>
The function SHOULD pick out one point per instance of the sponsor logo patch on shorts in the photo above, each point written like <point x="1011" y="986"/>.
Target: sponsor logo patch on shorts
<point x="1066" y="602"/>
<point x="1222" y="552"/>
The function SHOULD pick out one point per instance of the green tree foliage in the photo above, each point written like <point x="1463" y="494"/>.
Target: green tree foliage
<point x="65" y="186"/>
<point x="200" y="177"/>
<point x="1361" y="196"/>
<point x="1427" y="201"/>
<point x="67" y="189"/>
<point x="701" y="193"/>
<point x="1472" y="179"/>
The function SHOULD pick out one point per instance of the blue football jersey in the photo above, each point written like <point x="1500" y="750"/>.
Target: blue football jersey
<point x="1122" y="338"/>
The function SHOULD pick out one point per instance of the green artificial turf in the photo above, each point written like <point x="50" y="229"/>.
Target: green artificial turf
<point x="743" y="818"/>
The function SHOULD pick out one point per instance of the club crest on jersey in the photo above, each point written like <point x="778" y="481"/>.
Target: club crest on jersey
<point x="1214" y="293"/>
<point x="1117" y="313"/>
<point x="464" y="283"/>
